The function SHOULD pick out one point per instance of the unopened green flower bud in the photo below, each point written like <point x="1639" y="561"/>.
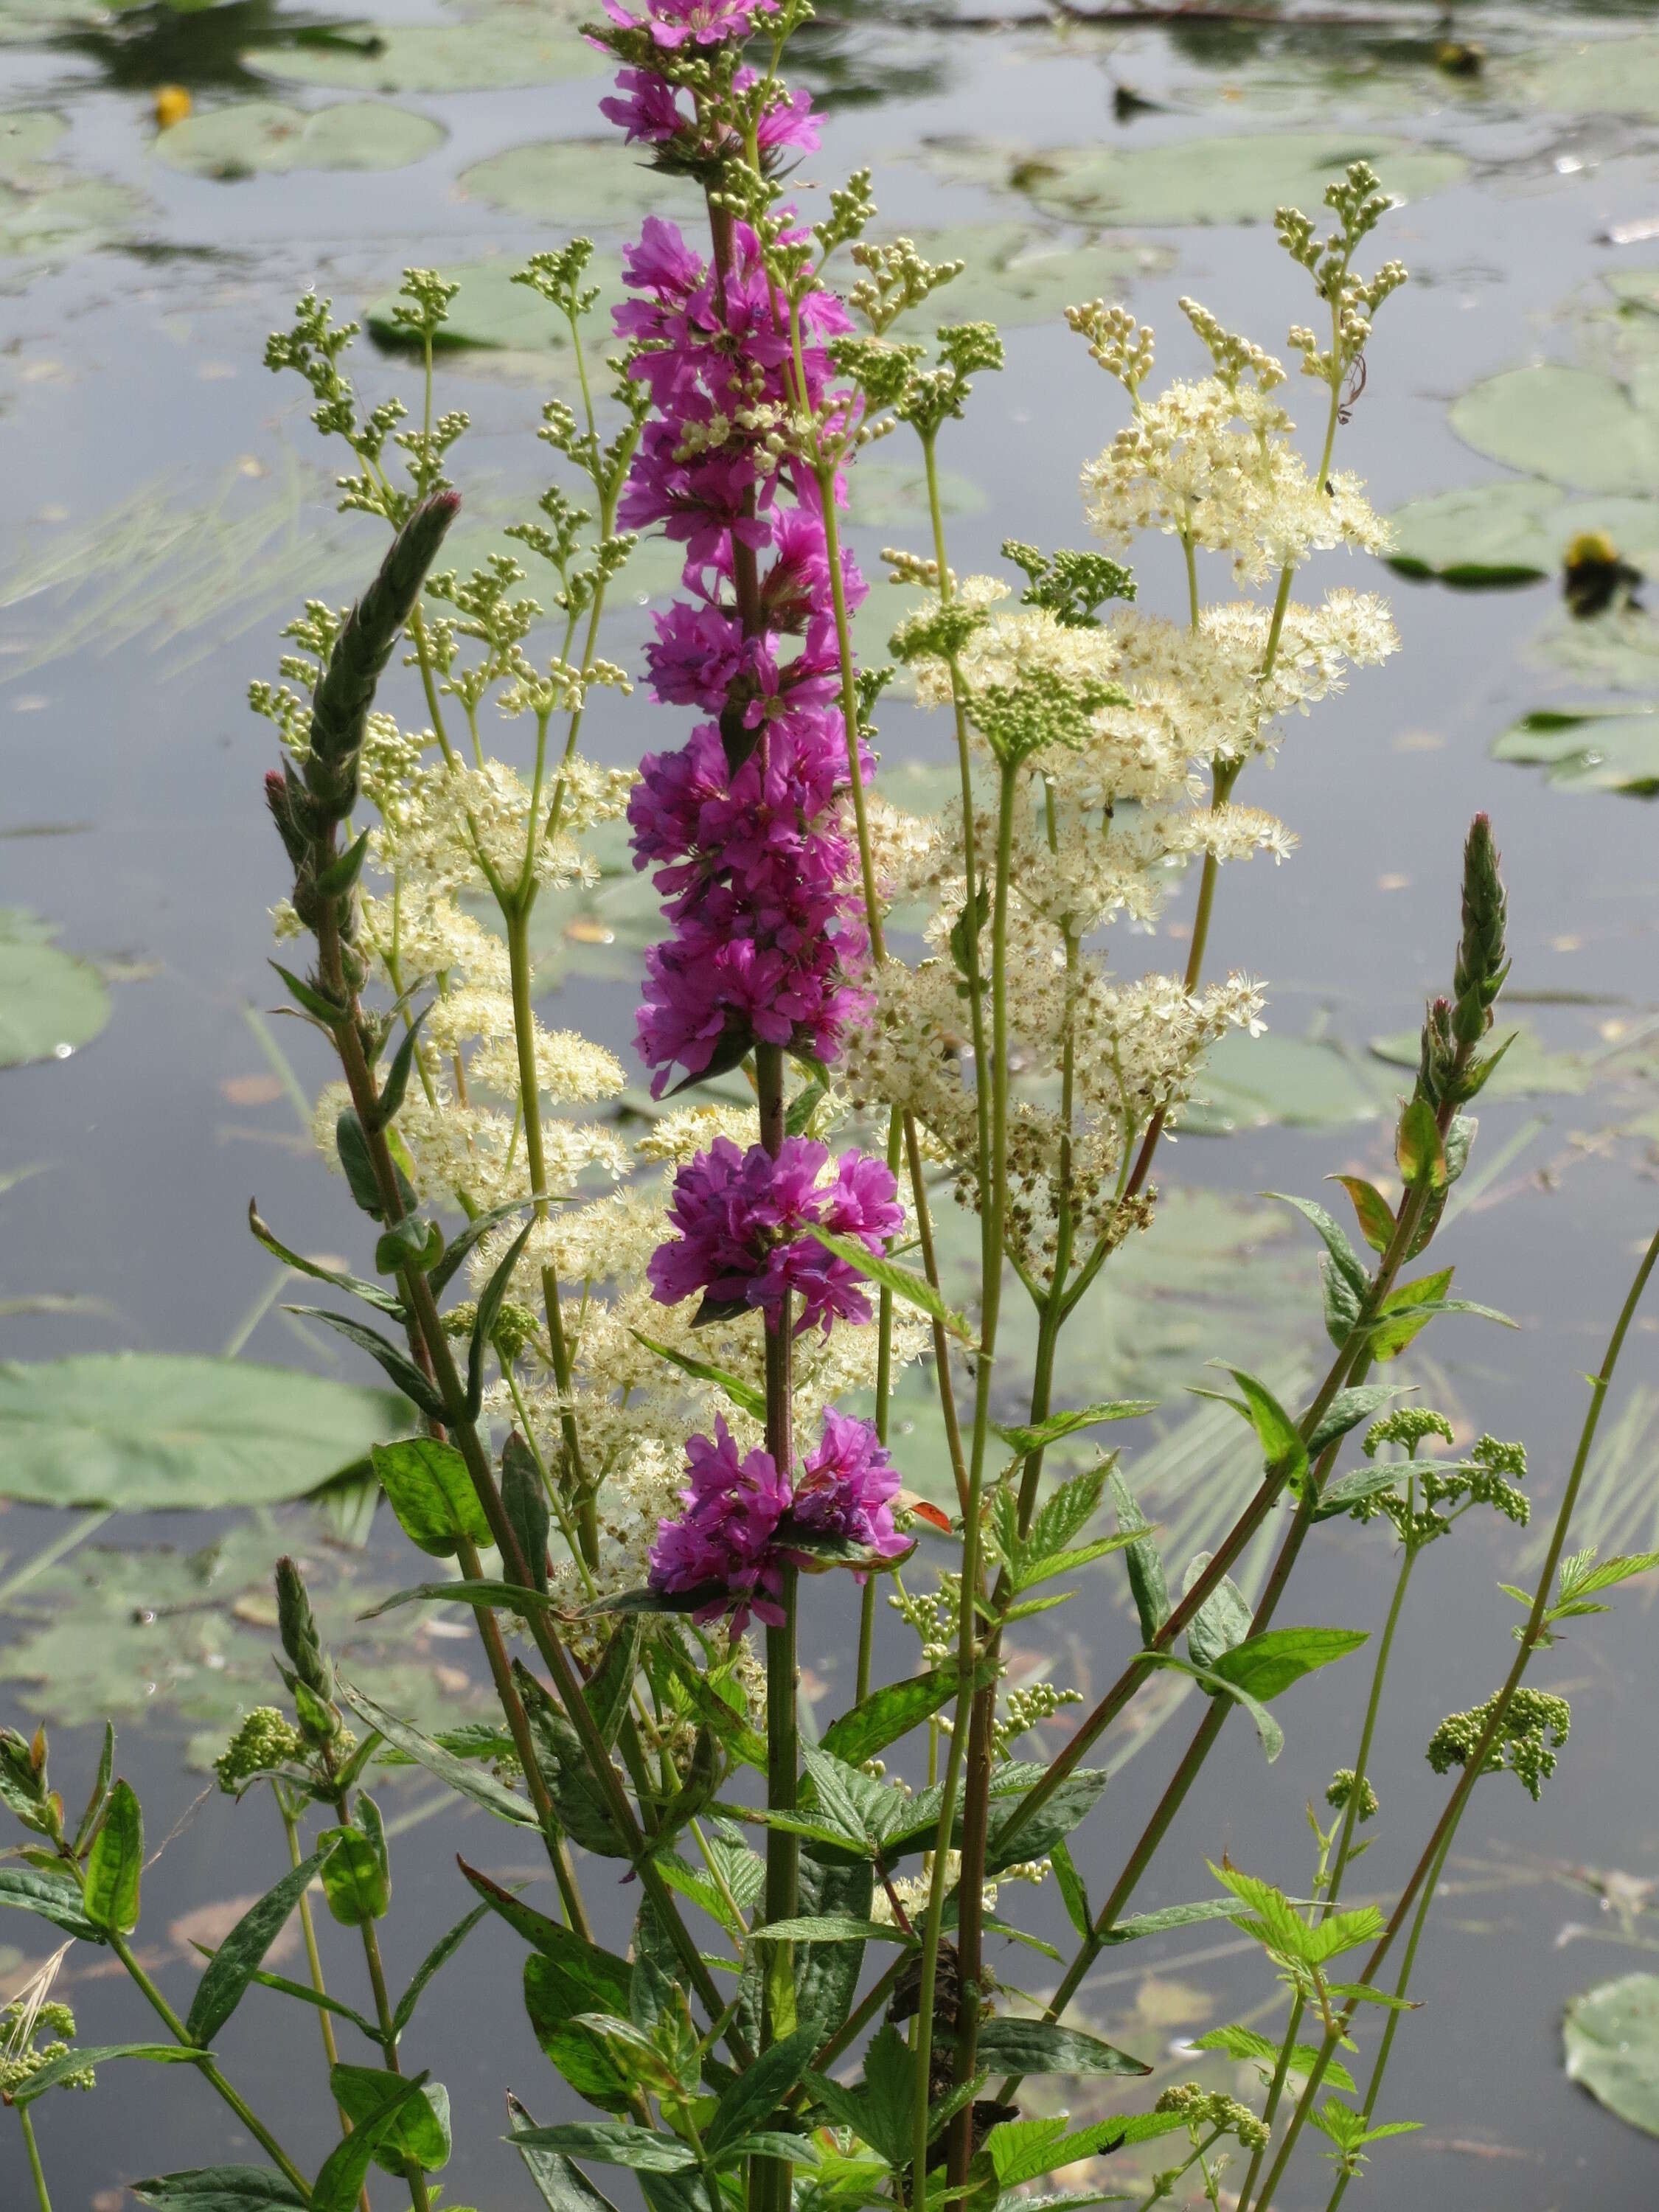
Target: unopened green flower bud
<point x="1481" y="964"/>
<point x="1534" y="1728"/>
<point x="1439" y="1053"/>
<point x="1337" y="1796"/>
<point x="297" y="1626"/>
<point x="265" y="1740"/>
<point x="23" y="1785"/>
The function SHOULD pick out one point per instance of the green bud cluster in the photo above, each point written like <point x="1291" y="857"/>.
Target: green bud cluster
<point x="1341" y="1791"/>
<point x="1205" y="2110"/>
<point x="1406" y="1425"/>
<point x="516" y="1325"/>
<point x="1534" y="1728"/>
<point x="1070" y="586"/>
<point x="310" y="1675"/>
<point x="265" y="1741"/>
<point x="19" y="2059"/>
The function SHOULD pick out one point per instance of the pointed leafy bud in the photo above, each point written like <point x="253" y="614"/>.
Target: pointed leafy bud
<point x="1439" y="1053"/>
<point x="1481" y="966"/>
<point x="297" y="1626"/>
<point x="293" y="838"/>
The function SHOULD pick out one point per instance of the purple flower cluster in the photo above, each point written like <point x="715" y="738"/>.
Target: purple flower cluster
<point x="743" y="824"/>
<point x="742" y="1219"/>
<point x="727" y="1551"/>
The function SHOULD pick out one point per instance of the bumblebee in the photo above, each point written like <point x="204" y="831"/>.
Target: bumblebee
<point x="1593" y="575"/>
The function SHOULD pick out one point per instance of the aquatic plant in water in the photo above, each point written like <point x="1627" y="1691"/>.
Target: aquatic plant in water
<point x="626" y="1367"/>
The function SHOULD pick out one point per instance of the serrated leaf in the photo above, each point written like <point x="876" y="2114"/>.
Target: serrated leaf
<point x="890" y="1713"/>
<point x="887" y="1275"/>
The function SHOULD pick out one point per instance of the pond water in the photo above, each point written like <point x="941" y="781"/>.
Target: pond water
<point x="168" y="508"/>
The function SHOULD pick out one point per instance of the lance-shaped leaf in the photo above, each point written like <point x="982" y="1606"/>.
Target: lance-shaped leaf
<point x="1073" y="1890"/>
<point x="892" y="1711"/>
<point x="240" y="1957"/>
<point x="51" y="2071"/>
<point x="1418" y="1147"/>
<point x="611" y="2143"/>
<point x="440" y="1956"/>
<point x="1268" y="1732"/>
<point x="1148" y="1584"/>
<point x="1410" y="1307"/>
<point x="115" y="1863"/>
<point x="305" y="996"/>
<point x="52" y="1896"/>
<point x="343" y="870"/>
<point x="488" y="1313"/>
<point x="428" y="1488"/>
<point x="588" y="1978"/>
<point x="488" y="1597"/>
<point x="756" y="2093"/>
<point x="1172" y="1916"/>
<point x="1042" y="2046"/>
<point x="371" y="1293"/>
<point x="459" y="1248"/>
<point x="1282" y="1447"/>
<point x="1028" y="1440"/>
<point x="471" y="1781"/>
<point x="888" y="1275"/>
<point x="1022" y="2150"/>
<point x="562" y="2184"/>
<point x="742" y="1395"/>
<point x="1265" y="1666"/>
<point x="390" y="1099"/>
<point x="611" y="1683"/>
<point x="1347" y="1410"/>
<point x="398" y="1364"/>
<point x="1221" y="1621"/>
<point x="1064" y="1809"/>
<point x="1344" y="1258"/>
<point x="219" y="2188"/>
<point x="1350" y="1490"/>
<point x="1372" y="1210"/>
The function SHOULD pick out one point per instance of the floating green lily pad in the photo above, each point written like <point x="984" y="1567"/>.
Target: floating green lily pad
<point x="53" y="215"/>
<point x="491" y="312"/>
<point x="1479" y="534"/>
<point x="51" y="1002"/>
<point x="263" y="136"/>
<point x="1235" y="179"/>
<point x="502" y="47"/>
<point x="1253" y="1083"/>
<point x="1610" y="2040"/>
<point x="1574" y="427"/>
<point x="1588" y="748"/>
<point x="578" y="184"/>
<point x="144" y="1432"/>
<point x="1527" y="1070"/>
<point x="29" y="135"/>
<point x="1597" y="77"/>
<point x="1617" y="650"/>
<point x="1017" y="273"/>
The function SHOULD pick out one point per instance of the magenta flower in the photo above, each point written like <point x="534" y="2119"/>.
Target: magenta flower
<point x="720" y="1554"/>
<point x="726" y="1551"/>
<point x="847" y="1488"/>
<point x="674" y="23"/>
<point x="742" y="1217"/>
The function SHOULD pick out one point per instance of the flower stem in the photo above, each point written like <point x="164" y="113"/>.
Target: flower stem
<point x="314" y="1958"/>
<point x="36" y="2170"/>
<point x="1446" y="1827"/>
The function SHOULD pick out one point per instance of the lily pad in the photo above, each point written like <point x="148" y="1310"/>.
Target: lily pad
<point x="576" y="184"/>
<point x="1255" y="1083"/>
<point x="144" y="1432"/>
<point x="1235" y="179"/>
<point x="29" y="135"/>
<point x="261" y="136"/>
<point x="1598" y="76"/>
<point x="1515" y="532"/>
<point x="53" y="215"/>
<point x="501" y="47"/>
<point x="1588" y="748"/>
<point x="1617" y="650"/>
<point x="1610" y="2039"/>
<point x="491" y="312"/>
<point x="1574" y="427"/>
<point x="1527" y="1070"/>
<point x="1017" y="273"/>
<point x="51" y="1002"/>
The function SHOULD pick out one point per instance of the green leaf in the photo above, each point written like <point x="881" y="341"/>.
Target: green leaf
<point x="1497" y="533"/>
<point x="1041" y="2047"/>
<point x="1420" y="1148"/>
<point x="419" y="2130"/>
<point x="743" y="1394"/>
<point x="428" y="1488"/>
<point x="819" y="1927"/>
<point x="371" y="1293"/>
<point x="1282" y="1447"/>
<point x="410" y="1242"/>
<point x="613" y="1681"/>
<point x="1172" y="1916"/>
<point x="219" y="2188"/>
<point x="1610" y="2037"/>
<point x="483" y="1325"/>
<point x="116" y="1863"/>
<point x="51" y="2071"/>
<point x="1257" y="1083"/>
<point x="1221" y="1622"/>
<point x="1350" y="1490"/>
<point x="611" y="2143"/>
<point x="237" y="1960"/>
<point x="459" y="1247"/>
<point x="1243" y="2043"/>
<point x="303" y="1993"/>
<point x="440" y="1956"/>
<point x="397" y="1364"/>
<point x="251" y="136"/>
<point x="356" y="1879"/>
<point x="1067" y="1808"/>
<point x="588" y="1978"/>
<point x="1145" y="1562"/>
<point x="916" y="1290"/>
<point x="1073" y="1892"/>
<point x="152" y="1431"/>
<point x="487" y="1596"/>
<point x="1026" y="1441"/>
<point x="759" y="2089"/>
<point x="100" y="1790"/>
<point x="1372" y="1210"/>
<point x="1579" y="428"/>
<point x="1022" y="2150"/>
<point x="1343" y="1255"/>
<point x="343" y="870"/>
<point x="52" y="1896"/>
<point x="1406" y="1312"/>
<point x="1347" y="1410"/>
<point x="1268" y="1732"/>
<point x="563" y="2186"/>
<point x="890" y="1713"/>
<point x="51" y="1002"/>
<point x="471" y="1781"/>
<point x="826" y="1971"/>
<point x="1265" y="1665"/>
<point x="336" y="2186"/>
<point x="575" y="182"/>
